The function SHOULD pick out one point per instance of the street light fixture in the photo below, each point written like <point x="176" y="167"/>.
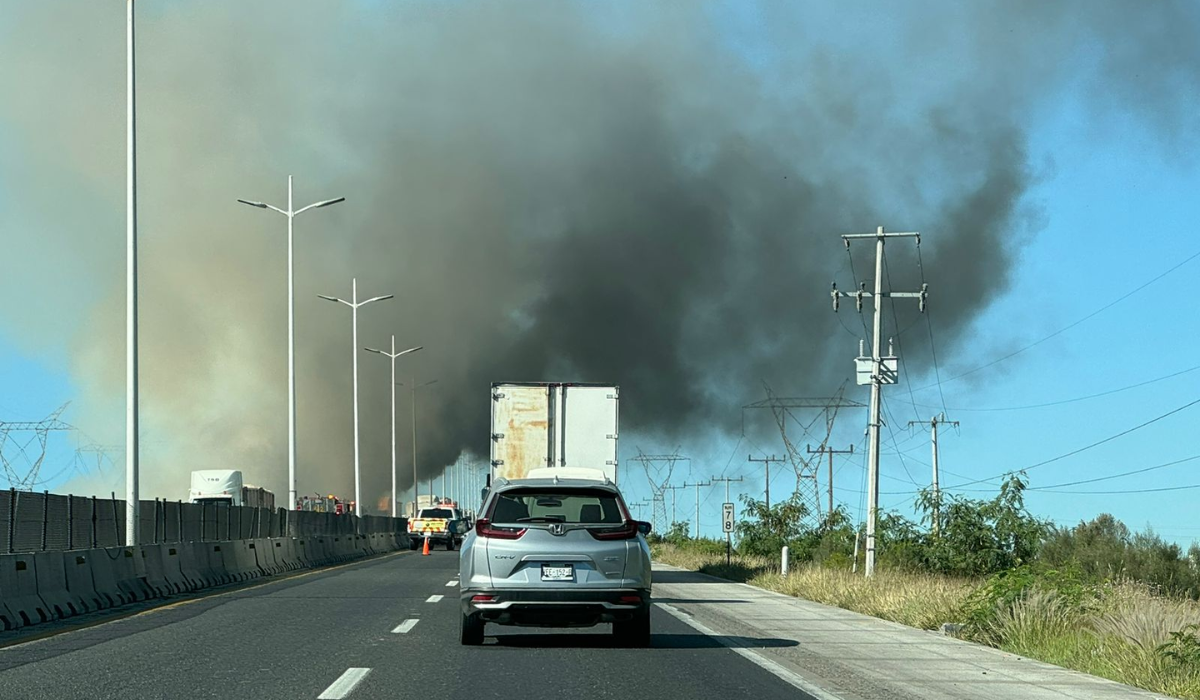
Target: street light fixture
<point x="354" y="305"/>
<point x="413" y="387"/>
<point x="393" y="355"/>
<point x="291" y="214"/>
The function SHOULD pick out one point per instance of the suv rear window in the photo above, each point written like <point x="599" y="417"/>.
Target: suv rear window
<point x="550" y="505"/>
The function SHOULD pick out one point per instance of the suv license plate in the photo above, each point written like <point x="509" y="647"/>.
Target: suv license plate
<point x="558" y="573"/>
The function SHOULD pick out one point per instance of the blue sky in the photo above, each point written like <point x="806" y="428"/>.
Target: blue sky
<point x="1116" y="204"/>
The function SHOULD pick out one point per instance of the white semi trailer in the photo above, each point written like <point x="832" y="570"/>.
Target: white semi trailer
<point x="225" y="486"/>
<point x="547" y="424"/>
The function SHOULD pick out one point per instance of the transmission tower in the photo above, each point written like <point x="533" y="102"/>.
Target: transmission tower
<point x="658" y="472"/>
<point x="23" y="448"/>
<point x="803" y="464"/>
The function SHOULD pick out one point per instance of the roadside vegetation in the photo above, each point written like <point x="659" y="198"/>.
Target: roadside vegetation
<point x="1093" y="597"/>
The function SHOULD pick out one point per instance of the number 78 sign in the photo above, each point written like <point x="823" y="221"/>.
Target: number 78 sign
<point x="726" y="517"/>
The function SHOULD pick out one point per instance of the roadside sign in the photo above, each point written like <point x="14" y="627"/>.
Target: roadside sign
<point x="726" y="517"/>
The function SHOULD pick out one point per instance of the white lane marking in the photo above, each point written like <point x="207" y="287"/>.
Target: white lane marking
<point x="760" y="661"/>
<point x="405" y="627"/>
<point x="344" y="684"/>
<point x="451" y="583"/>
<point x="434" y="598"/>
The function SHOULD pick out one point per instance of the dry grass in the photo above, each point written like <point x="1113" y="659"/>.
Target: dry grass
<point x="1114" y="634"/>
<point x="918" y="600"/>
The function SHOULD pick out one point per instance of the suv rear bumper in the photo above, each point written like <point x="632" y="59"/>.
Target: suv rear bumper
<point x="556" y="608"/>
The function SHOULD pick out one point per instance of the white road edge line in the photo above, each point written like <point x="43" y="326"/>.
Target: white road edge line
<point x="758" y="660"/>
<point x="434" y="598"/>
<point x="406" y="626"/>
<point x="344" y="684"/>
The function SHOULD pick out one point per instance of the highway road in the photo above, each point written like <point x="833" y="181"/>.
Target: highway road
<point x="381" y="628"/>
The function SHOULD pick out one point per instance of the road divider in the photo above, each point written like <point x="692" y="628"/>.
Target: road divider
<point x="43" y="586"/>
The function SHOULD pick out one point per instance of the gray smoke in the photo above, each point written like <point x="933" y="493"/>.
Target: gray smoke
<point x="646" y="195"/>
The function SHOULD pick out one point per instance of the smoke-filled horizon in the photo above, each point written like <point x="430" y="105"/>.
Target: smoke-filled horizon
<point x="650" y="197"/>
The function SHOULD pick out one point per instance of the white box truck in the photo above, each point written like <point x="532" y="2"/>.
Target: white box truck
<point x="546" y="424"/>
<point x="225" y="486"/>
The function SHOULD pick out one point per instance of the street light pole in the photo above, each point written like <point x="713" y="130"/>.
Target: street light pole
<point x="413" y="386"/>
<point x="354" y="305"/>
<point x="131" y="306"/>
<point x="291" y="214"/>
<point x="393" y="355"/>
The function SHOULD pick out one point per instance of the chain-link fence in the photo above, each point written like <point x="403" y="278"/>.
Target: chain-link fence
<point x="34" y="522"/>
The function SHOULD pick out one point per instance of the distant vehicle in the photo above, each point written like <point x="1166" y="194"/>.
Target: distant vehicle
<point x="556" y="549"/>
<point x="225" y="487"/>
<point x="442" y="524"/>
<point x="423" y="501"/>
<point x="548" y="424"/>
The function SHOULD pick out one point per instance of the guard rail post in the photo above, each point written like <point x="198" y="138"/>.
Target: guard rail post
<point x="783" y="562"/>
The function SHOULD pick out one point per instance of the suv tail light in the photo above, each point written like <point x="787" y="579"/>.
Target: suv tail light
<point x="625" y="531"/>
<point x="484" y="528"/>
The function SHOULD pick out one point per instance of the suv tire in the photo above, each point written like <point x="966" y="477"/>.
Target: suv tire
<point x="634" y="632"/>
<point x="471" y="630"/>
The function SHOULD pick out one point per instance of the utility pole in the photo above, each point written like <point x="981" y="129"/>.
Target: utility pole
<point x="767" y="465"/>
<point x="697" y="486"/>
<point x="673" y="489"/>
<point x="934" y="422"/>
<point x="879" y="372"/>
<point x="831" y="452"/>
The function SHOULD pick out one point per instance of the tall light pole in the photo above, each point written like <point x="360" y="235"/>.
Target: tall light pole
<point x="393" y="355"/>
<point x="291" y="214"/>
<point x="354" y="305"/>
<point x="131" y="306"/>
<point x="413" y="386"/>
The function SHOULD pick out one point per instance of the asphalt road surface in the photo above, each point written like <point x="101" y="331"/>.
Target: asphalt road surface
<point x="382" y="628"/>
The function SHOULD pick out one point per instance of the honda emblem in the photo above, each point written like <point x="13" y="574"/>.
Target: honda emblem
<point x="557" y="529"/>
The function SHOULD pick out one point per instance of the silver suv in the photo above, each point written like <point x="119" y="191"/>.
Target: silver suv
<point x="556" y="551"/>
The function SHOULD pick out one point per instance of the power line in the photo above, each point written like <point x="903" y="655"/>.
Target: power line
<point x="1086" y="447"/>
<point x="1115" y="476"/>
<point x="1069" y="326"/>
<point x="887" y="272"/>
<point x="1076" y="399"/>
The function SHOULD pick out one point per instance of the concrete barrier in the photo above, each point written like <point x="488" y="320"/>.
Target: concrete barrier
<point x="104" y="577"/>
<point x="217" y="554"/>
<point x="151" y="557"/>
<point x="51" y="579"/>
<point x="129" y="567"/>
<point x="18" y="586"/>
<point x="264" y="555"/>
<point x="77" y="565"/>
<point x="240" y="560"/>
<point x="193" y="564"/>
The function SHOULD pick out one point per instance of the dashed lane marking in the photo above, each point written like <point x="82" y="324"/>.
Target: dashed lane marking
<point x="345" y="684"/>
<point x="405" y="627"/>
<point x="434" y="598"/>
<point x="451" y="583"/>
